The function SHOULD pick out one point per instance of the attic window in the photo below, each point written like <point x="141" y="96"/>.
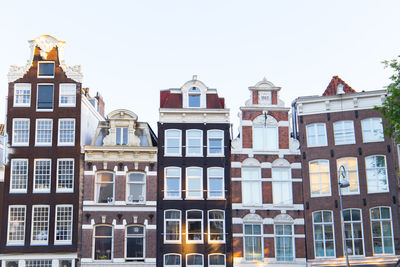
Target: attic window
<point x="194" y="97"/>
<point x="46" y="70"/>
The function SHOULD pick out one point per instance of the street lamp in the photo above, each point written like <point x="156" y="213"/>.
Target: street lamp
<point x="343" y="183"/>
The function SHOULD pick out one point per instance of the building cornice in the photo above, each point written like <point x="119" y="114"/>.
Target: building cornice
<point x="193" y="115"/>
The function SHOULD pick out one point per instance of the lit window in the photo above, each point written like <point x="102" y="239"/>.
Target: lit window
<point x="16" y="224"/>
<point x="376" y="174"/>
<point x="65" y="175"/>
<point x="46" y="70"/>
<point x="44" y="132"/>
<point x="173" y="143"/>
<point x="251" y="186"/>
<point x="350" y="165"/>
<point x="122" y="136"/>
<point x="194" y="97"/>
<point x="319" y="178"/>
<point x="265" y="138"/>
<point x="135" y="240"/>
<point x="216" y="226"/>
<point x="216" y="183"/>
<point x="215" y="143"/>
<point x="253" y="247"/>
<point x="172" y="182"/>
<point x="11" y="264"/>
<point x="194" y="143"/>
<point x="284" y="242"/>
<point x="324" y="238"/>
<point x="216" y="260"/>
<point x="136" y="187"/>
<point x="105" y="187"/>
<point x="282" y="186"/>
<point x="65" y="263"/>
<point x="103" y="236"/>
<point x="66" y="132"/>
<point x="316" y="135"/>
<point x="194" y="182"/>
<point x="45" y="97"/>
<point x="20" y="135"/>
<point x="38" y="263"/>
<point x="194" y="226"/>
<point x="194" y="260"/>
<point x="19" y="175"/>
<point x="63" y="228"/>
<point x="353" y="231"/>
<point x="67" y="95"/>
<point x="40" y="224"/>
<point x="344" y="132"/>
<point x="42" y="177"/>
<point x="172" y="226"/>
<point x="172" y="260"/>
<point x="22" y="95"/>
<point x="372" y="130"/>
<point x="382" y="233"/>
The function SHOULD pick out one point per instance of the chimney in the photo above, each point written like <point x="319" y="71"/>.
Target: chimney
<point x="101" y="104"/>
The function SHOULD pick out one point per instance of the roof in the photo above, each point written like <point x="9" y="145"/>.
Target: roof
<point x="1" y="129"/>
<point x="332" y="87"/>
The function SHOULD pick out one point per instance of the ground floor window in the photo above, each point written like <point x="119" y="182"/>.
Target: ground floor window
<point x="103" y="242"/>
<point x="38" y="263"/>
<point x="135" y="242"/>
<point x="284" y="242"/>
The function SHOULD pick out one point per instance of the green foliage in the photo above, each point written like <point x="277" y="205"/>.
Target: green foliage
<point x="390" y="108"/>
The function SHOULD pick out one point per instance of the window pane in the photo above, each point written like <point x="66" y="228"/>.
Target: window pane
<point x="64" y="223"/>
<point x="105" y="188"/>
<point x="135" y="242"/>
<point x="172" y="260"/>
<point x="194" y="260"/>
<point x="217" y="260"/>
<point x="40" y="223"/>
<point x="42" y="175"/>
<point x="19" y="174"/>
<point x="45" y="97"/>
<point x="65" y="174"/>
<point x="46" y="69"/>
<point x="194" y="101"/>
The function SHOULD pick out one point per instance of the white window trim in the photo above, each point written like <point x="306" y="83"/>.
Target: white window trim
<point x="40" y="242"/>
<point x="289" y="180"/>
<point x="37" y="97"/>
<point x="15" y="104"/>
<point x="260" y="197"/>
<point x="218" y="254"/>
<point x="309" y="175"/>
<point x="264" y="137"/>
<point x="14" y="143"/>
<point x="180" y="228"/>
<point x="59" y="143"/>
<point x="314" y="125"/>
<point x="187" y="183"/>
<point x="64" y="242"/>
<point x="293" y="241"/>
<point x="166" y="154"/>
<point x="199" y="93"/>
<point x="37" y="143"/>
<point x="223" y="183"/>
<point x="358" y="177"/>
<point x="176" y="254"/>
<point x="208" y="225"/>
<point x="201" y="241"/>
<point x="34" y="177"/>
<point x="386" y="172"/>
<point x="122" y="136"/>
<point x="362" y="231"/>
<point x="334" y="133"/>
<point x="94" y="243"/>
<point x="20" y="242"/>
<point x="127" y="188"/>
<point x="188" y="154"/>
<point x="21" y="191"/>
<point x="73" y="179"/>
<point x="362" y="131"/>
<point x="222" y="143"/>
<point x="95" y="188"/>
<point x="165" y="183"/>
<point x="62" y="105"/>
<point x="262" y="240"/>
<point x="380" y="220"/>
<point x="191" y="254"/>
<point x="333" y="232"/>
<point x="48" y="76"/>
<point x="126" y="242"/>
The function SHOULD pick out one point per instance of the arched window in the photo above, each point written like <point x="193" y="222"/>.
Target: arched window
<point x="265" y="133"/>
<point x="173" y="142"/>
<point x="194" y="226"/>
<point x="194" y="97"/>
<point x="284" y="237"/>
<point x="194" y="260"/>
<point x="375" y="167"/>
<point x="172" y="260"/>
<point x="194" y="142"/>
<point x="253" y="238"/>
<point x="172" y="186"/>
<point x="103" y="239"/>
<point x="382" y="230"/>
<point x="135" y="242"/>
<point x="353" y="228"/>
<point x="136" y="187"/>
<point x="319" y="178"/>
<point x="215" y="143"/>
<point x="172" y="226"/>
<point x="194" y="183"/>
<point x="105" y="187"/>
<point x="351" y="167"/>
<point x="216" y="188"/>
<point x="216" y="226"/>
<point x="251" y="182"/>
<point x="216" y="260"/>
<point x="281" y="182"/>
<point x="324" y="236"/>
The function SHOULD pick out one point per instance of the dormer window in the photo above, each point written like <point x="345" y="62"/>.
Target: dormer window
<point x="46" y="70"/>
<point x="194" y="97"/>
<point x="122" y="136"/>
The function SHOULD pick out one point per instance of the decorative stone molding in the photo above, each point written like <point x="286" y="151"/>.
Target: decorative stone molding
<point x="251" y="162"/>
<point x="281" y="163"/>
<point x="252" y="217"/>
<point x="260" y="120"/>
<point x="283" y="218"/>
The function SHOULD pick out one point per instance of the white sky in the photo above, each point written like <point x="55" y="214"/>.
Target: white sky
<point x="129" y="50"/>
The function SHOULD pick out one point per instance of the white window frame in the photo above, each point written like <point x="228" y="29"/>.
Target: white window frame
<point x="366" y="175"/>
<point x="276" y="182"/>
<point x="37" y="98"/>
<point x="259" y="187"/>
<point x="71" y="221"/>
<point x="346" y="191"/>
<point x="46" y="76"/>
<point x="194" y="177"/>
<point x="216" y="254"/>
<point x="209" y="227"/>
<point x="195" y="93"/>
<point x="380" y="223"/>
<point x="41" y="190"/>
<point x="194" y="254"/>
<point x="339" y="128"/>
<point x="261" y="235"/>
<point x="209" y="154"/>
<point x="201" y="241"/>
<point x="62" y="190"/>
<point x="179" y="154"/>
<point x="37" y="143"/>
<point x="351" y="222"/>
<point x="370" y="124"/>
<point x="40" y="242"/>
<point x="122" y="136"/>
<point x="215" y="177"/>
<point x="174" y="254"/>
<point x="138" y="183"/>
<point x="12" y="166"/>
<point x="24" y="87"/>
<point x="15" y="143"/>
<point x="95" y="186"/>
<point x="180" y="228"/>
<point x="188" y="153"/>
<point x="266" y="144"/>
<point x="17" y="242"/>
<point x="60" y="131"/>
<point x="39" y="263"/>
<point x="292" y="236"/>
<point x="314" y="128"/>
<point x="69" y="95"/>
<point x="135" y="236"/>
<point x="320" y="183"/>
<point x="165" y="183"/>
<point x="94" y="243"/>
<point x="323" y="223"/>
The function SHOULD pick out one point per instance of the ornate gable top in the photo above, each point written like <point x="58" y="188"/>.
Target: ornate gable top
<point x="338" y="86"/>
<point x="265" y="85"/>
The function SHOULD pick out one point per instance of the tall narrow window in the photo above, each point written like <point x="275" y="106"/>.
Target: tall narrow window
<point x="215" y="143"/>
<point x="215" y="183"/>
<point x="194" y="97"/>
<point x="173" y="142"/>
<point x="136" y="187"/>
<point x="172" y="226"/>
<point x="19" y="175"/>
<point x="319" y="178"/>
<point x="105" y="187"/>
<point x="42" y="177"/>
<point x="44" y="132"/>
<point x="20" y="135"/>
<point x="194" y="143"/>
<point x="194" y="260"/>
<point x="216" y="260"/>
<point x="172" y="182"/>
<point x="353" y="231"/>
<point x="194" y="182"/>
<point x="22" y="95"/>
<point x="46" y="70"/>
<point x="265" y="138"/>
<point x="45" y="97"/>
<point x="172" y="260"/>
<point x="382" y="232"/>
<point x="103" y="236"/>
<point x="194" y="226"/>
<point x="67" y="95"/>
<point x="344" y="132"/>
<point x="65" y="175"/>
<point x="350" y="165"/>
<point x="253" y="248"/>
<point x="372" y="130"/>
<point x="376" y="174"/>
<point x="216" y="226"/>
<point x="284" y="242"/>
<point x="122" y="136"/>
<point x="282" y="186"/>
<point x="251" y="186"/>
<point x="324" y="238"/>
<point x="316" y="135"/>
<point x="40" y="224"/>
<point x="66" y="132"/>
<point x="63" y="228"/>
<point x="135" y="242"/>
<point x="16" y="224"/>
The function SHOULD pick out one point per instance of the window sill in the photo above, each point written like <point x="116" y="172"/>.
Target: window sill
<point x="66" y="106"/>
<point x="18" y="192"/>
<point x="215" y="155"/>
<point x="44" y="110"/>
<point x="15" y="244"/>
<point x="374" y="141"/>
<point x="21" y="106"/>
<point x="43" y="145"/>
<point x="62" y="244"/>
<point x="379" y="192"/>
<point x="172" y="155"/>
<point x="45" y="77"/>
<point x="64" y="192"/>
<point x="194" y="198"/>
<point x="66" y="144"/>
<point x="172" y="198"/>
<point x="172" y="242"/>
<point x="352" y="143"/>
<point x="20" y="145"/>
<point x="41" y="191"/>
<point x="317" y="146"/>
<point x="315" y="196"/>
